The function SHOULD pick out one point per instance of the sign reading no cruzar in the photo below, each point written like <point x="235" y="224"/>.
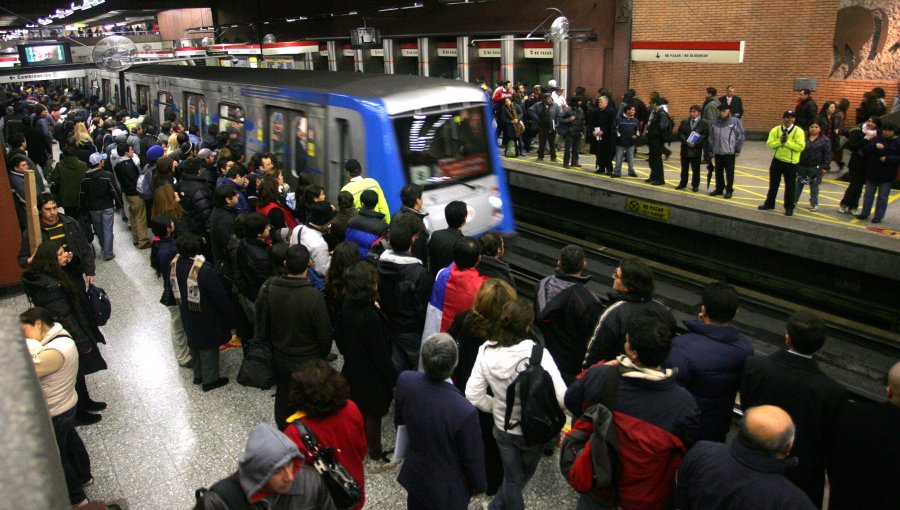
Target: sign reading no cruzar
<point x="710" y="52"/>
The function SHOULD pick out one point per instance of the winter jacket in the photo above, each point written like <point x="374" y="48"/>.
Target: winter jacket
<point x="566" y="312"/>
<point x="404" y="286"/>
<point x="796" y="384"/>
<point x="278" y="213"/>
<point x="69" y="232"/>
<point x="314" y="241"/>
<point x="269" y="450"/>
<point x="420" y="247"/>
<point x="715" y="476"/>
<point x="362" y="329"/>
<point x="737" y="105"/>
<point x="684" y="131"/>
<point x="608" y="338"/>
<point x="807" y="110"/>
<point x="298" y="326"/>
<point x="468" y="343"/>
<point x="627" y="131"/>
<point x="73" y="312"/>
<point x="208" y="141"/>
<point x="572" y="127"/>
<point x="66" y="180"/>
<point x="709" y="361"/>
<point x="364" y="229"/>
<point x="726" y="136"/>
<point x="789" y="150"/>
<point x="221" y="228"/>
<point x="444" y="465"/>
<point x="196" y="198"/>
<point x="656" y="422"/>
<point x="605" y="120"/>
<point x="545" y="117"/>
<point x="38" y="145"/>
<point x="359" y="184"/>
<point x="99" y="191"/>
<point x="659" y="127"/>
<point x="440" y="248"/>
<point x="878" y="171"/>
<point x="710" y="110"/>
<point x="211" y="326"/>
<point x="166" y="251"/>
<point x="495" y="368"/>
<point x="242" y="205"/>
<point x="127" y="172"/>
<point x="817" y="153"/>
<point x="253" y="263"/>
<point x="492" y="267"/>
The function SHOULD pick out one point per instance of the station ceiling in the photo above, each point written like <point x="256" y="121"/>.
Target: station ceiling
<point x="18" y="13"/>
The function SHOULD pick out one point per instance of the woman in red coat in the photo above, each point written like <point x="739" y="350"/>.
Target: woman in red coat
<point x="322" y="399"/>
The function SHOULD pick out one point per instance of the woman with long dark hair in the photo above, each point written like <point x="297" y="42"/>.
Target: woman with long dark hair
<point x="48" y="286"/>
<point x="271" y="204"/>
<point x="367" y="355"/>
<point x="346" y="253"/>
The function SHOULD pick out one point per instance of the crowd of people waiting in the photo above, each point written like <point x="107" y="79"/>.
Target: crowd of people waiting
<point x="431" y="324"/>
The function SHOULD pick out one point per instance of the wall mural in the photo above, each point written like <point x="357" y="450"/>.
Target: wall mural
<point x="867" y="40"/>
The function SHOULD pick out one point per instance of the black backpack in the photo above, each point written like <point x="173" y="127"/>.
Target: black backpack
<point x="541" y="418"/>
<point x="100" y="305"/>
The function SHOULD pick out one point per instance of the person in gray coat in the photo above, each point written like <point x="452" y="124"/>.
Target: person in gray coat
<point x="272" y="475"/>
<point x="726" y="138"/>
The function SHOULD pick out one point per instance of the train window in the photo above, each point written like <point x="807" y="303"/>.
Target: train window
<point x="116" y="95"/>
<point x="130" y="99"/>
<point x="279" y="145"/>
<point x="289" y="139"/>
<point x="439" y="148"/>
<point x="304" y="144"/>
<point x="196" y="111"/>
<point x="166" y="105"/>
<point x="231" y="120"/>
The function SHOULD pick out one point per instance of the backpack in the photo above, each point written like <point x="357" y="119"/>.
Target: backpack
<point x="378" y="247"/>
<point x="145" y="181"/>
<point x="100" y="305"/>
<point x="589" y="453"/>
<point x="541" y="418"/>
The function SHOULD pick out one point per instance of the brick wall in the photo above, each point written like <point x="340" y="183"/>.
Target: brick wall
<point x="784" y="41"/>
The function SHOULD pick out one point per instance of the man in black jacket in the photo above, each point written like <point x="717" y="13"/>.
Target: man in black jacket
<point x="56" y="226"/>
<point x="221" y="224"/>
<point x="404" y="285"/>
<point x="411" y="197"/>
<point x="633" y="297"/>
<point x="491" y="264"/>
<point x="440" y="246"/>
<point x="692" y="147"/>
<point x="659" y="129"/>
<point x="100" y="199"/>
<point x="196" y="194"/>
<point x="792" y="380"/>
<point x="127" y="172"/>
<point x="566" y="311"/>
<point x="807" y="110"/>
<point x="368" y="225"/>
<point x="735" y="102"/>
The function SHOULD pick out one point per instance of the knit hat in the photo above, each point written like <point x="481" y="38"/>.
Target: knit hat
<point x="155" y="152"/>
<point x="320" y="213"/>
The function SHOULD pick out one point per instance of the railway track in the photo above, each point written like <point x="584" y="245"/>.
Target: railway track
<point x="856" y="354"/>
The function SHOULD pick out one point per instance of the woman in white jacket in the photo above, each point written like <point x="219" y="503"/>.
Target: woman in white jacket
<point x="499" y="361"/>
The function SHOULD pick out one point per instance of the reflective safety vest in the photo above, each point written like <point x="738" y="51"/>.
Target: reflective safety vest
<point x="356" y="188"/>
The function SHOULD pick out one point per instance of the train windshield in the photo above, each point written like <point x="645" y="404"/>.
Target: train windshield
<point x="443" y="148"/>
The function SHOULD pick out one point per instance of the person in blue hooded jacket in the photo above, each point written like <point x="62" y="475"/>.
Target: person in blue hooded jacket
<point x="710" y="359"/>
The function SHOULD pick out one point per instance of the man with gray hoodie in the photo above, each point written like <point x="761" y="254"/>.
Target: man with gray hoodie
<point x="726" y="137"/>
<point x="271" y="475"/>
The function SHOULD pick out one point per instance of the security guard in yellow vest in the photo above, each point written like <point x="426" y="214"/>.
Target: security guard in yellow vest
<point x="787" y="141"/>
<point x="358" y="184"/>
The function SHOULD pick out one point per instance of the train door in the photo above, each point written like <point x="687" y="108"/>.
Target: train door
<point x="346" y="140"/>
<point x="231" y="121"/>
<point x="143" y="98"/>
<point x="195" y="114"/>
<point x="293" y="139"/>
<point x="166" y="104"/>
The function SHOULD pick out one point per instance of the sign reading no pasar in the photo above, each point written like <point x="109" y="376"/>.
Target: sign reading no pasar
<point x="709" y="52"/>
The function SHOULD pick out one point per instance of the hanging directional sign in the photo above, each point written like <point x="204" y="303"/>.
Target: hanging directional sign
<point x="710" y="52"/>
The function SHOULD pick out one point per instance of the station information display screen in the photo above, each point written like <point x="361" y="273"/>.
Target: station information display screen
<point x="45" y="54"/>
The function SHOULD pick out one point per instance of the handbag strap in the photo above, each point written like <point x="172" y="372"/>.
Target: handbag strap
<point x="309" y="439"/>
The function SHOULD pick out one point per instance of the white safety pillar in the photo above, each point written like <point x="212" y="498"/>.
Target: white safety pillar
<point x="507" y="58"/>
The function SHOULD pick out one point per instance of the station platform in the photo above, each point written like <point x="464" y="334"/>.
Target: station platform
<point x="824" y="235"/>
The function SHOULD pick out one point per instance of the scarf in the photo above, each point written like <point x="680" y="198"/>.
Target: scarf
<point x="650" y="374"/>
<point x="193" y="288"/>
<point x="867" y="132"/>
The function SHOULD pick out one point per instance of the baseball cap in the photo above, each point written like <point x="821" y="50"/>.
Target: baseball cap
<point x="96" y="158"/>
<point x="204" y="153"/>
<point x="788" y="113"/>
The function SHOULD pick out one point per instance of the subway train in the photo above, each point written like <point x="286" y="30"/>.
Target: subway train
<point x="402" y="129"/>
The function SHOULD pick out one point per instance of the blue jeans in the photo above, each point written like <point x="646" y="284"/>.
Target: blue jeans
<point x="629" y="153"/>
<point x="76" y="462"/>
<point x="884" y="191"/>
<point x="519" y="464"/>
<point x="102" y="222"/>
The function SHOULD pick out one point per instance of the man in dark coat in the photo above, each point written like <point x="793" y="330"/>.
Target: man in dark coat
<point x="691" y="151"/>
<point x="865" y="461"/>
<point x="709" y="359"/>
<point x="603" y="135"/>
<point x="746" y="475"/>
<point x="411" y="197"/>
<point x="205" y="310"/>
<point x="405" y="286"/>
<point x="444" y="465"/>
<point x="792" y="380"/>
<point x="291" y="316"/>
<point x="127" y="172"/>
<point x="807" y="110"/>
<point x="440" y="246"/>
<point x="735" y="102"/>
<point x="491" y="264"/>
<point x="56" y="226"/>
<point x="221" y="223"/>
<point x="659" y="129"/>
<point x="633" y="297"/>
<point x="195" y="191"/>
<point x="99" y="201"/>
<point x="566" y="311"/>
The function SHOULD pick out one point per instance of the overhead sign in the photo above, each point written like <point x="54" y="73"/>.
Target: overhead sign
<point x="377" y="52"/>
<point x="155" y="54"/>
<point x="489" y="50"/>
<point x="538" y="49"/>
<point x="709" y="52"/>
<point x="190" y="52"/>
<point x="409" y="52"/>
<point x="447" y="52"/>
<point x="234" y="49"/>
<point x="290" y="48"/>
<point x="46" y="75"/>
<point x="9" y="61"/>
<point x="347" y="52"/>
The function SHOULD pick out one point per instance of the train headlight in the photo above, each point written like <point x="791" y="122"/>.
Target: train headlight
<point x="495" y="201"/>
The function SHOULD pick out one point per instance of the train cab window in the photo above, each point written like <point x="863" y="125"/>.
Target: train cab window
<point x="196" y="111"/>
<point x="231" y="120"/>
<point x="143" y="97"/>
<point x="442" y="148"/>
<point x="166" y="105"/>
